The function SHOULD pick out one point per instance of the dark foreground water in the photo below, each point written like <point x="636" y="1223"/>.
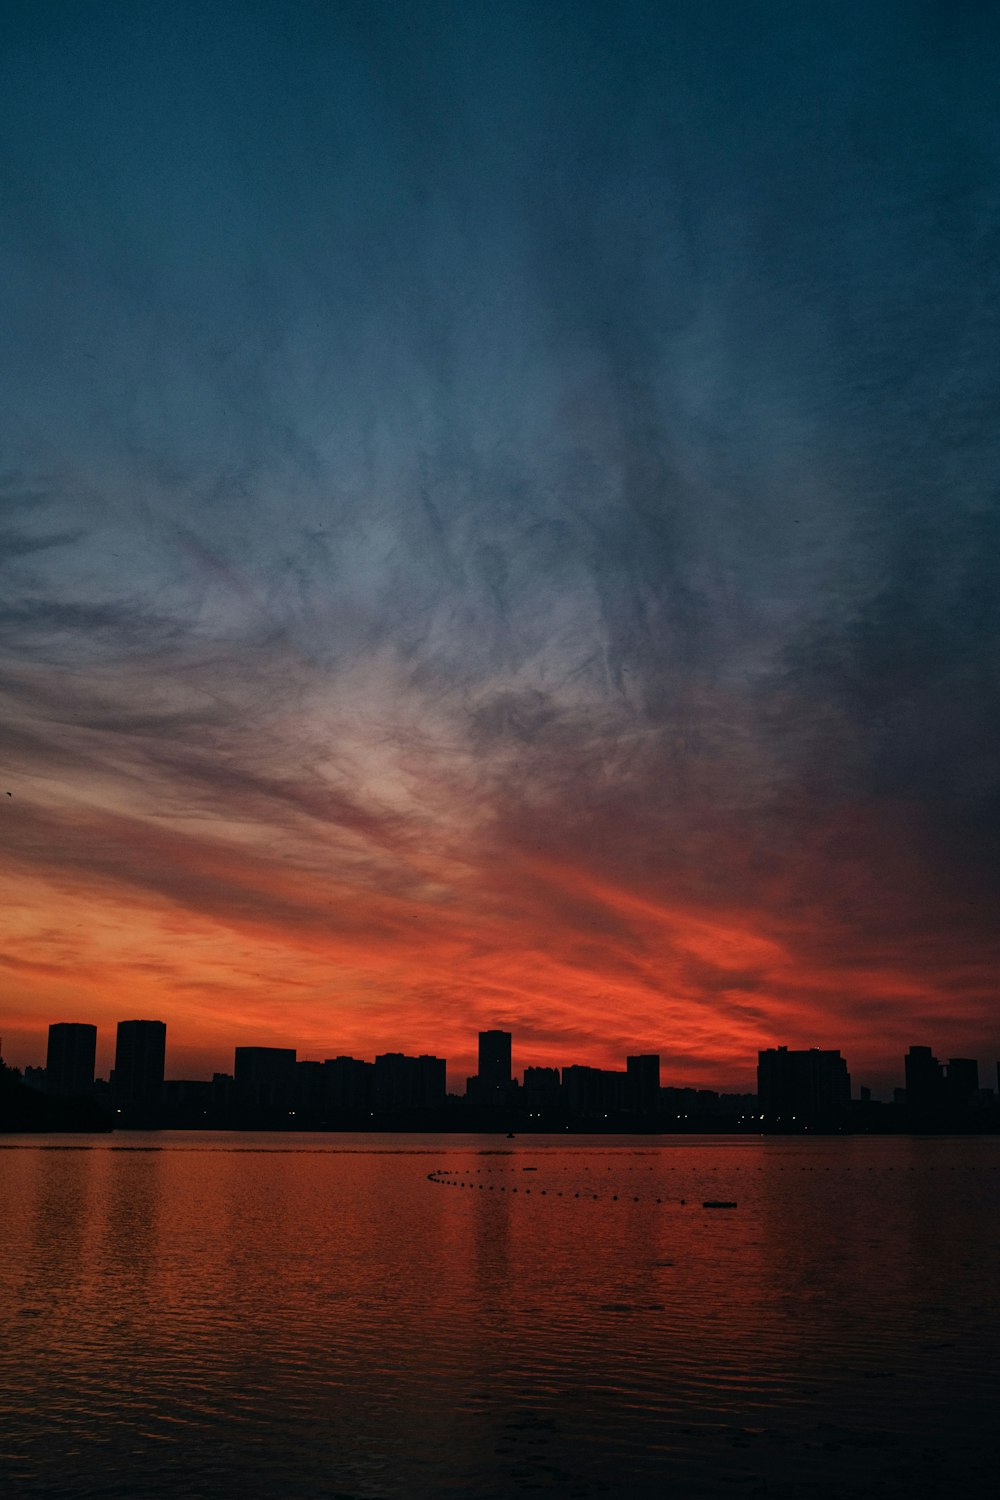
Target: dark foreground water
<point x="201" y="1315"/>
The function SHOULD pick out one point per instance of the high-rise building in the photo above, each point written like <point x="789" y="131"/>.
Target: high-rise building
<point x="432" y="1081"/>
<point x="924" y="1080"/>
<point x="264" y="1064"/>
<point x="393" y="1084"/>
<point x="310" y="1087"/>
<point x="494" y="1062"/>
<point x="541" y="1089"/>
<point x="349" y="1083"/>
<point x="264" y="1079"/>
<point x="803" y="1087"/>
<point x="69" y="1062"/>
<point x="402" y="1082"/>
<point x="581" y="1091"/>
<point x="140" y="1051"/>
<point x="643" y="1082"/>
<point x="962" y="1082"/>
<point x="593" y="1092"/>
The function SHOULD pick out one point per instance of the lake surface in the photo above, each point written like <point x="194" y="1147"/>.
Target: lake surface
<point x="188" y="1314"/>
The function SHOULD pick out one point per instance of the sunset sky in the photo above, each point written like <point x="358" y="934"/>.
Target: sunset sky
<point x="499" y="527"/>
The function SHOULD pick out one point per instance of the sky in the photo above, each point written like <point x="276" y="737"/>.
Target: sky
<point x="499" y="527"/>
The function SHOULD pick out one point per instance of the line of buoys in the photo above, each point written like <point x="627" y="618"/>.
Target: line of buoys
<point x="446" y="1177"/>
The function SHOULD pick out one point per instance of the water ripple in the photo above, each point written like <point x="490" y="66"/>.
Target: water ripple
<point x="321" y="1316"/>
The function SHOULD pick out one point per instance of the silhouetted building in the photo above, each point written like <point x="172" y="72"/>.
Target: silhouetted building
<point x="432" y="1081"/>
<point x="592" y="1092"/>
<point x="962" y="1082"/>
<point x="310" y="1088"/>
<point x="541" y="1091"/>
<point x="264" y="1079"/>
<point x="492" y="1085"/>
<point x="186" y="1101"/>
<point x="494" y="1058"/>
<point x="407" y="1083"/>
<point x="394" y="1083"/>
<point x="223" y="1085"/>
<point x="736" y="1107"/>
<point x="643" y="1083"/>
<point x="581" y="1091"/>
<point x="689" y="1104"/>
<point x="30" y="1109"/>
<point x="924" y="1081"/>
<point x="273" y="1065"/>
<point x="349" y="1084"/>
<point x="140" y="1050"/>
<point x="614" y="1091"/>
<point x="802" y="1087"/>
<point x="69" y="1062"/>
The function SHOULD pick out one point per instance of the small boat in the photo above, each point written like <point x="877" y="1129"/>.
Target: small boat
<point x="719" y="1203"/>
<point x="510" y="1135"/>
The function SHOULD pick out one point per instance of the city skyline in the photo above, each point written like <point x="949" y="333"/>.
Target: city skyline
<point x="730" y="1076"/>
<point x="140" y="1054"/>
<point x="272" y="1089"/>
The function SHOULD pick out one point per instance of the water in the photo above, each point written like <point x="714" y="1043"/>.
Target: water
<point x="374" y="1316"/>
